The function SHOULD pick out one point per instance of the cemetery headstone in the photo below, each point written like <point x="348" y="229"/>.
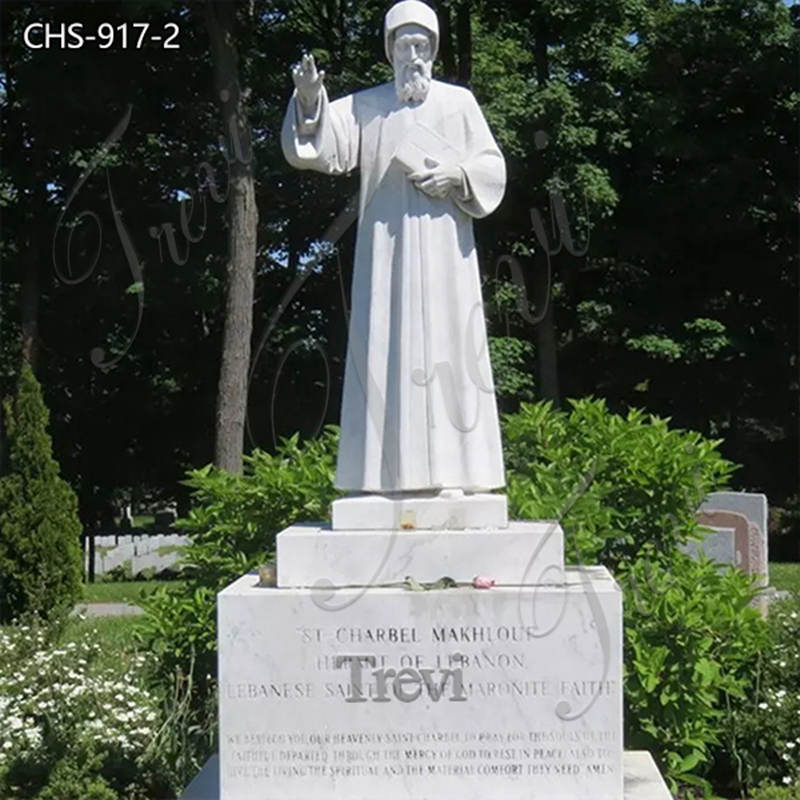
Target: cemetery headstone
<point x="719" y="545"/>
<point x="749" y="541"/>
<point x="755" y="508"/>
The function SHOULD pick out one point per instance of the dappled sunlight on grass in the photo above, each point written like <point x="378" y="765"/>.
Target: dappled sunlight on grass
<point x="121" y="591"/>
<point x="785" y="576"/>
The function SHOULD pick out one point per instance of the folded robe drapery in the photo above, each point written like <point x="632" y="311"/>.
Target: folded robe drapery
<point x="418" y="408"/>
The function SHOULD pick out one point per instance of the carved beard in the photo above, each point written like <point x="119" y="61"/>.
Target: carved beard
<point x="412" y="81"/>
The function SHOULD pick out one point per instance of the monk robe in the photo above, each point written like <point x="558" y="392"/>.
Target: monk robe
<point x="418" y="407"/>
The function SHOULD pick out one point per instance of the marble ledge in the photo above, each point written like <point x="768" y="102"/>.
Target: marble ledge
<point x="524" y="553"/>
<point x="643" y="781"/>
<point x="419" y="512"/>
<point x="572" y="578"/>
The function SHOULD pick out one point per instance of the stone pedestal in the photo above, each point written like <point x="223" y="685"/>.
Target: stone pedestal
<point x="437" y="511"/>
<point x="642" y="780"/>
<point x="366" y="692"/>
<point x="522" y="553"/>
<point x="348" y="681"/>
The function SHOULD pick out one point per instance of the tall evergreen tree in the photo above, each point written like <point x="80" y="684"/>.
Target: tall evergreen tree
<point x="40" y="556"/>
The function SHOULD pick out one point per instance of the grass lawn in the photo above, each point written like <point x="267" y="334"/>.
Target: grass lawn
<point x="114" y="634"/>
<point x="121" y="591"/>
<point x="785" y="576"/>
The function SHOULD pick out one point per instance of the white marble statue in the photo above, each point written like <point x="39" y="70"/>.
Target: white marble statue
<point x="418" y="409"/>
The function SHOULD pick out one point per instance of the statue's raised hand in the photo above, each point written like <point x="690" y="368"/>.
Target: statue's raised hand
<point x="308" y="82"/>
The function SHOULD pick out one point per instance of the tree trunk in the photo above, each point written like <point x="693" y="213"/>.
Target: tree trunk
<point x="30" y="279"/>
<point x="546" y="335"/>
<point x="547" y="355"/>
<point x="29" y="302"/>
<point x="464" y="31"/>
<point x="242" y="224"/>
<point x="446" y="45"/>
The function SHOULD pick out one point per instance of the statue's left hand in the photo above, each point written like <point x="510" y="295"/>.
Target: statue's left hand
<point x="437" y="181"/>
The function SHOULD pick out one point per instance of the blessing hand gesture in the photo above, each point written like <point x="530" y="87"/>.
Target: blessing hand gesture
<point x="308" y="82"/>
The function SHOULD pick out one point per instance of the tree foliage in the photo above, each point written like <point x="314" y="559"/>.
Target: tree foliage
<point x="619" y="484"/>
<point x="40" y="555"/>
<point x="651" y="151"/>
<point x="233" y="524"/>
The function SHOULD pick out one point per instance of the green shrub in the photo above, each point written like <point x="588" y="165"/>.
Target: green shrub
<point x="691" y="638"/>
<point x="122" y="572"/>
<point x="69" y="780"/>
<point x="769" y="791"/>
<point x="40" y="554"/>
<point x="626" y="489"/>
<point x="616" y="483"/>
<point x="762" y="732"/>
<point x="233" y="523"/>
<point x="511" y="361"/>
<point x="71" y="729"/>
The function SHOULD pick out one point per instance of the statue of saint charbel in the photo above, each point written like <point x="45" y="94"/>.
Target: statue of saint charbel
<point x="418" y="411"/>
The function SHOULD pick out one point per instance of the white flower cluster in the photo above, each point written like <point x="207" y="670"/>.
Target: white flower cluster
<point x="55" y="695"/>
<point x="785" y="702"/>
<point x="791" y="755"/>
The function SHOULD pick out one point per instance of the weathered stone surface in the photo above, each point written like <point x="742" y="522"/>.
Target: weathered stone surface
<point x="643" y="781"/>
<point x="522" y="553"/>
<point x="440" y="512"/>
<point x="415" y="695"/>
<point x="750" y="544"/>
<point x="755" y="508"/>
<point x="719" y="544"/>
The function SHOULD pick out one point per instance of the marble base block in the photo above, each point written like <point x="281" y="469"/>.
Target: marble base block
<point x="523" y="553"/>
<point x="642" y="779"/>
<point x="381" y="512"/>
<point x="509" y="692"/>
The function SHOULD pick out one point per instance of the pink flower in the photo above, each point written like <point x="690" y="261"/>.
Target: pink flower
<point x="482" y="582"/>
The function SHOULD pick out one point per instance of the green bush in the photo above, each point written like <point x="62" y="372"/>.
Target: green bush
<point x="762" y="732"/>
<point x="511" y="369"/>
<point x="233" y="523"/>
<point x="691" y="638"/>
<point x="40" y="554"/>
<point x="69" y="780"/>
<point x="617" y="483"/>
<point x="768" y="791"/>
<point x="122" y="572"/>
<point x="72" y="730"/>
<point x="626" y="489"/>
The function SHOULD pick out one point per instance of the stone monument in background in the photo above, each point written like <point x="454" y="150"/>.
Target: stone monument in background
<point x="421" y="647"/>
